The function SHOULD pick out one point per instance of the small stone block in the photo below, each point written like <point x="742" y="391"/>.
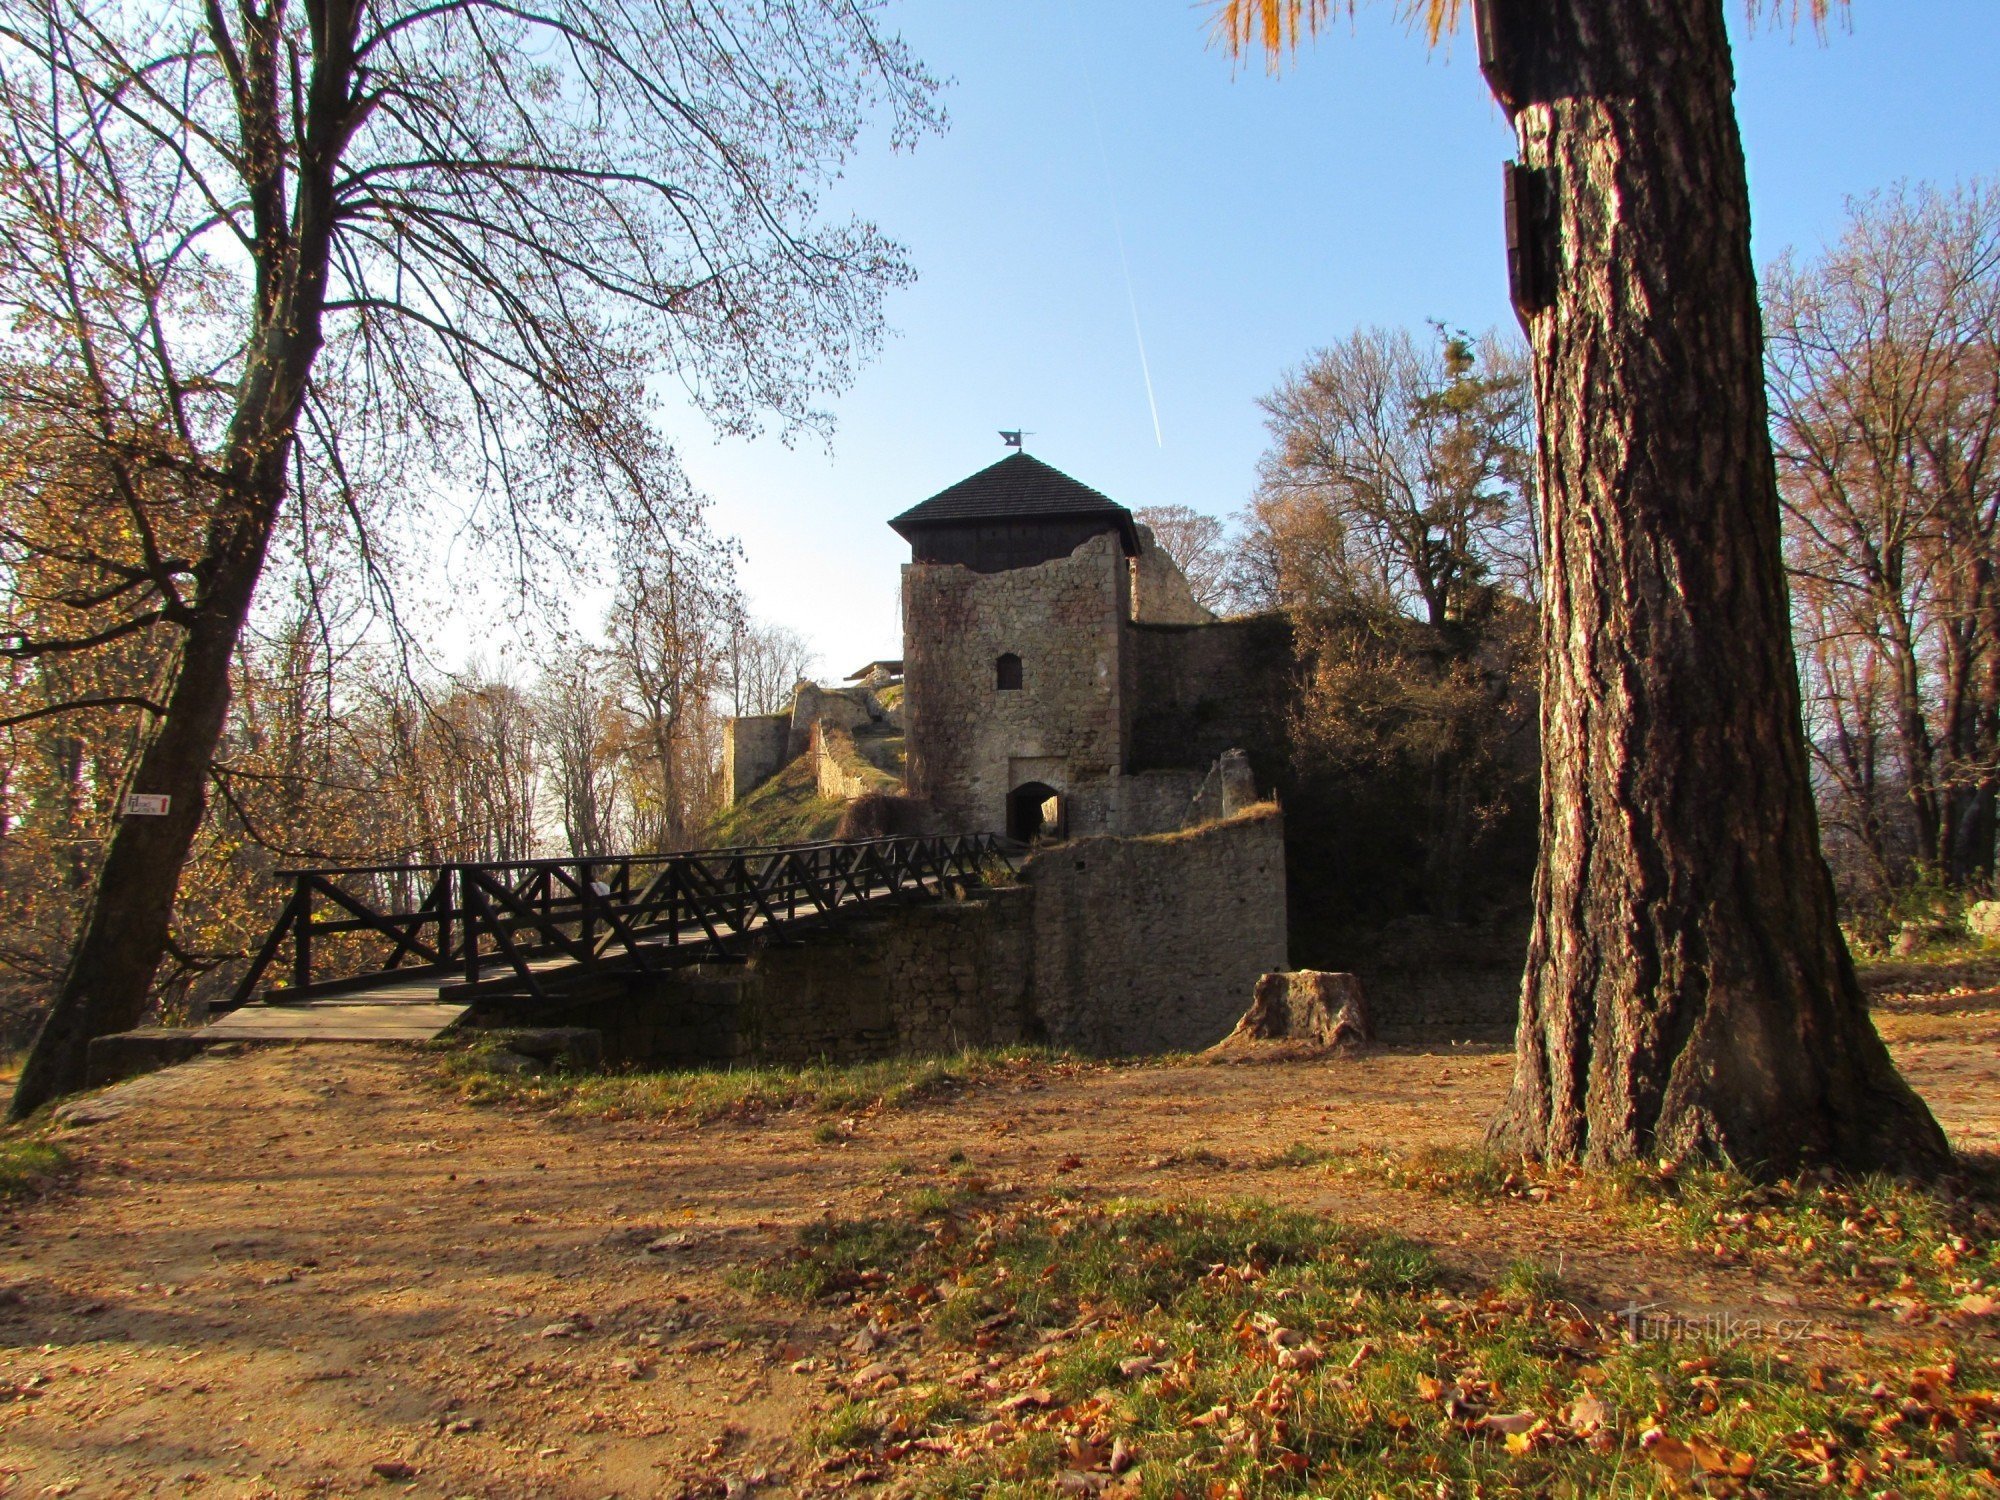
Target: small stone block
<point x="127" y="1054"/>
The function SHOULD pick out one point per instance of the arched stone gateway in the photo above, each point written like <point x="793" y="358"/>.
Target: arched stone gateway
<point x="1034" y="810"/>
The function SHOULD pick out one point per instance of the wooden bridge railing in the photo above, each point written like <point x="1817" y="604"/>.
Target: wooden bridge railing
<point x="353" y="927"/>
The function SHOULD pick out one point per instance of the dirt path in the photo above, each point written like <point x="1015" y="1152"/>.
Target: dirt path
<point x="283" y="1269"/>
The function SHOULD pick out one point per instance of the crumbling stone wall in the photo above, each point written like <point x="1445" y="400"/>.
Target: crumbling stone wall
<point x="841" y="770"/>
<point x="756" y="747"/>
<point x="1160" y="592"/>
<point x="1151" y="802"/>
<point x="753" y="751"/>
<point x="970" y="741"/>
<point x="1155" y="944"/>
<point x="839" y="708"/>
<point x="928" y="978"/>
<point x="1106" y="945"/>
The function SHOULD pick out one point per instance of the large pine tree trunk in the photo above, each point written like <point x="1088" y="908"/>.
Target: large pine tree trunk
<point x="1688" y="992"/>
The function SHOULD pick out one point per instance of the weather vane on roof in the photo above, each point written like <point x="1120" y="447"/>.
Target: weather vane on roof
<point x="1013" y="439"/>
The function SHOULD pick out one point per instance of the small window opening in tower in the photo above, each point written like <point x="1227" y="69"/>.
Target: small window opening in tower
<point x="1007" y="672"/>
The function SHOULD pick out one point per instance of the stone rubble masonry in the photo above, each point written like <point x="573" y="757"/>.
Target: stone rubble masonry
<point x="1429" y="980"/>
<point x="1125" y="699"/>
<point x="1155" y="943"/>
<point x="1197" y="691"/>
<point x="756" y="747"/>
<point x="842" y="771"/>
<point x="972" y="742"/>
<point x="839" y="708"/>
<point x="753" y="751"/>
<point x="1160" y="592"/>
<point x="1129" y="690"/>
<point x="1106" y="945"/>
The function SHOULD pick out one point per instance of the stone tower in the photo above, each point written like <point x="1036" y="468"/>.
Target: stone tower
<point x="1027" y="604"/>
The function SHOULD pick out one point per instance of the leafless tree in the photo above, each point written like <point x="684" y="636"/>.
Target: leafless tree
<point x="1199" y="546"/>
<point x="1884" y="361"/>
<point x="254" y="256"/>
<point x="765" y="663"/>
<point x="580" y="721"/>
<point x="1401" y="473"/>
<point x="668" y="633"/>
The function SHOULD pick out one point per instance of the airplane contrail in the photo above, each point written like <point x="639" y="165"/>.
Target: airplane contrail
<point x="1118" y="230"/>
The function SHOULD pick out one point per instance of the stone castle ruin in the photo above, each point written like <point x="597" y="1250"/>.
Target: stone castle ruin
<point x="1058" y="679"/>
<point x="1058" y="684"/>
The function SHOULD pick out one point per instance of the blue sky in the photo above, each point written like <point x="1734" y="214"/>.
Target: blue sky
<point x="1261" y="219"/>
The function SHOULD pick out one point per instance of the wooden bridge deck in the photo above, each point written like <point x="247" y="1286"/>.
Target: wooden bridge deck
<point x="710" y="919"/>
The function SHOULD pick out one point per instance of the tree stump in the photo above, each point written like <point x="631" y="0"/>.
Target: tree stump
<point x="1307" y="1005"/>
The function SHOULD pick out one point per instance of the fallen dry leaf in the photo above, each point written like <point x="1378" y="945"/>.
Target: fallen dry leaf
<point x="1039" y="1395"/>
<point x="1587" y="1414"/>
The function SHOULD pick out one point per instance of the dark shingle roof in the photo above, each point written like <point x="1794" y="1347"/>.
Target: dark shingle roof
<point x="1019" y="487"/>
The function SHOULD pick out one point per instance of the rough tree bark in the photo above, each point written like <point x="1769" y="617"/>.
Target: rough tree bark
<point x="125" y="928"/>
<point x="1688" y="992"/>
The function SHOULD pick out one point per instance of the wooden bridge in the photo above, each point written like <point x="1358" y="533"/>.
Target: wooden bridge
<point x="403" y="951"/>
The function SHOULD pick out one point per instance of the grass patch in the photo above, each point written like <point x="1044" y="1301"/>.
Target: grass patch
<point x="787" y="809"/>
<point x="1462" y="1172"/>
<point x="1298" y="1154"/>
<point x="1878" y="1242"/>
<point x="29" y="1164"/>
<point x="1149" y="1349"/>
<point x="478" y="1075"/>
<point x="849" y="1425"/>
<point x="1530" y="1279"/>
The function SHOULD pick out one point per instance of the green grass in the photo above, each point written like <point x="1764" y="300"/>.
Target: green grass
<point x="1874" y="1240"/>
<point x="787" y="809"/>
<point x="1235" y="1350"/>
<point x="714" y="1093"/>
<point x="1462" y="1172"/>
<point x="29" y="1164"/>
